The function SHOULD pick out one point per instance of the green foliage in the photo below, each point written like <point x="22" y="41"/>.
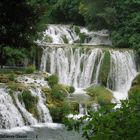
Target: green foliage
<point x="82" y="37"/>
<point x="105" y="68"/>
<point x="59" y="92"/>
<point x="30" y="69"/>
<point x="135" y="89"/>
<point x="12" y="76"/>
<point x="64" y="11"/>
<point x="58" y="113"/>
<point x="71" y="89"/>
<point x="121" y="17"/>
<point x="47" y="39"/>
<point x="20" y="31"/>
<point x="30" y="102"/>
<point x="56" y="99"/>
<point x="100" y="95"/>
<point x="65" y="39"/>
<point x="52" y="80"/>
<point x="111" y="124"/>
<point x="77" y="30"/>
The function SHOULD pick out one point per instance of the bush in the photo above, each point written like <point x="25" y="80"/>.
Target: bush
<point x="58" y="113"/>
<point x="100" y="94"/>
<point x="30" y="69"/>
<point x="52" y="80"/>
<point x="59" y="92"/>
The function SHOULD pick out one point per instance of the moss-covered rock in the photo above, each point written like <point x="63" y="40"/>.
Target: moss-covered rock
<point x="56" y="99"/>
<point x="100" y="94"/>
<point x="52" y="80"/>
<point x="16" y="86"/>
<point x="65" y="40"/>
<point x="135" y="88"/>
<point x="105" y="68"/>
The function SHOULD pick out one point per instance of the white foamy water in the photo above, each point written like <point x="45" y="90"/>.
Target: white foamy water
<point x="81" y="68"/>
<point x="9" y="114"/>
<point x="57" y="33"/>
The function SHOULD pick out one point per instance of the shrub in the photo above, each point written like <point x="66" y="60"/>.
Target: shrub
<point x="59" y="92"/>
<point x="30" y="69"/>
<point x="52" y="80"/>
<point x="100" y="94"/>
<point x="58" y="113"/>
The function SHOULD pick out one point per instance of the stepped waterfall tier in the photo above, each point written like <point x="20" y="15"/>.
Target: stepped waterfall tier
<point x="83" y="67"/>
<point x="13" y="106"/>
<point x="69" y="34"/>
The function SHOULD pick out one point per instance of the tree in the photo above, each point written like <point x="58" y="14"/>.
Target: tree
<point x="18" y="24"/>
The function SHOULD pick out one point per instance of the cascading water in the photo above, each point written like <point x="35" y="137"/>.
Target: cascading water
<point x="9" y="114"/>
<point x="122" y="72"/>
<point x="61" y="34"/>
<point x="81" y="67"/>
<point x="73" y="67"/>
<point x="13" y="112"/>
<point x="42" y="108"/>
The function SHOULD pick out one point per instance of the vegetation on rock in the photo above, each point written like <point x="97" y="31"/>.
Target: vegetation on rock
<point x="105" y="68"/>
<point x="100" y="95"/>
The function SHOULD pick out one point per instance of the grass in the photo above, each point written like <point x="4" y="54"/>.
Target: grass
<point x="100" y="94"/>
<point x="30" y="69"/>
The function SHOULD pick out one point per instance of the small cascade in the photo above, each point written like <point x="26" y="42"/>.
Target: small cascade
<point x="28" y="117"/>
<point x="13" y="112"/>
<point x="82" y="109"/>
<point x="61" y="34"/>
<point x="9" y="114"/>
<point x="122" y="72"/>
<point x="42" y="108"/>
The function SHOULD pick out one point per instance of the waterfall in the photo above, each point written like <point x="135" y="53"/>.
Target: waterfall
<point x="42" y="108"/>
<point x="61" y="34"/>
<point x="13" y="112"/>
<point x="81" y="67"/>
<point x="9" y="114"/>
<point x="74" y="67"/>
<point x="122" y="72"/>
